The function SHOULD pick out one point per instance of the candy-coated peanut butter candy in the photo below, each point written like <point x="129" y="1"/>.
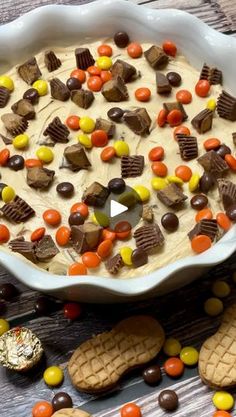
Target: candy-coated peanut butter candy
<point x="41" y="86"/>
<point x="53" y="376"/>
<point x="223" y="400"/>
<point x="172" y="347"/>
<point x="189" y="355"/>
<point x="6" y="82"/>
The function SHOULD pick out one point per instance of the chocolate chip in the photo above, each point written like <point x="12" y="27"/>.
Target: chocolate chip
<point x="168" y="400"/>
<point x="139" y="258"/>
<point x="116" y="185"/>
<point x="61" y="400"/>
<point x="174" y="78"/>
<point x="115" y="114"/>
<point x="121" y="39"/>
<point x="32" y="95"/>
<point x="206" y="182"/>
<point x="170" y="222"/>
<point x="66" y="189"/>
<point x="16" y="162"/>
<point x="8" y="291"/>
<point x="223" y="150"/>
<point x="2" y="185"/>
<point x="152" y="375"/>
<point x="231" y="212"/>
<point x="75" y="219"/>
<point x="73" y="83"/>
<point x="199" y="201"/>
<point x="43" y="306"/>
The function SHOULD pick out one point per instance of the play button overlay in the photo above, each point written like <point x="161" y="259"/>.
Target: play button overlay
<point x="125" y="206"/>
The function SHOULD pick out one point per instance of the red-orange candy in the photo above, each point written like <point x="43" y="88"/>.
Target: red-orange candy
<point x="108" y="234"/>
<point x="37" y="234"/>
<point x="184" y="96"/>
<point x="134" y="50"/>
<point x="4" y="234"/>
<point x="32" y="163"/>
<point x="63" y="235"/>
<point x="105" y="76"/>
<point x="123" y="230"/>
<point x="174" y="117"/>
<point x="174" y="367"/>
<point x="169" y="48"/>
<point x="91" y="259"/>
<point x="42" y="409"/>
<point x="231" y="161"/>
<point x="130" y="410"/>
<point x="159" y="168"/>
<point x="156" y="154"/>
<point x="222" y="413"/>
<point x="79" y="74"/>
<point x="104" y="248"/>
<point x="143" y="94"/>
<point x="182" y="130"/>
<point x="202" y="88"/>
<point x="82" y="208"/>
<point x="205" y="214"/>
<point x="99" y="138"/>
<point x="223" y="221"/>
<point x="108" y="154"/>
<point x="73" y="122"/>
<point x="52" y="217"/>
<point x="94" y="83"/>
<point x="200" y="243"/>
<point x="104" y="50"/>
<point x="183" y="172"/>
<point x="77" y="269"/>
<point x="4" y="156"/>
<point x="211" y="144"/>
<point x="162" y="117"/>
<point x="93" y="70"/>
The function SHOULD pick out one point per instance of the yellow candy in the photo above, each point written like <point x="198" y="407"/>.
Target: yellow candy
<point x="213" y="306"/>
<point x="143" y="192"/>
<point x="87" y="125"/>
<point x="41" y="86"/>
<point x="53" y="376"/>
<point x="94" y="219"/>
<point x="174" y="179"/>
<point x="121" y="148"/>
<point x="21" y="141"/>
<point x="126" y="253"/>
<point x="45" y="154"/>
<point x="6" y="82"/>
<point x="211" y="104"/>
<point x="189" y="356"/>
<point x="8" y="193"/>
<point x="4" y="326"/>
<point x="101" y="218"/>
<point x="221" y="289"/>
<point x="172" y="347"/>
<point x="104" y="62"/>
<point x="159" y="183"/>
<point x="85" y="140"/>
<point x="194" y="182"/>
<point x="223" y="400"/>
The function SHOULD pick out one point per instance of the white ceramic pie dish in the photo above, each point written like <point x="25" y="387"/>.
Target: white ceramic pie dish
<point x="52" y="25"/>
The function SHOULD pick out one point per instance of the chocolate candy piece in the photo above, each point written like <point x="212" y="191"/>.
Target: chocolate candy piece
<point x="43" y="306"/>
<point x="51" y="61"/>
<point x="174" y="78"/>
<point x="147" y="214"/>
<point x="227" y="191"/>
<point x="168" y="400"/>
<point x="152" y="375"/>
<point x="106" y="125"/>
<point x="226" y="106"/>
<point x="139" y="258"/>
<point x="205" y="227"/>
<point x="95" y="195"/>
<point x="65" y="189"/>
<point x="162" y="83"/>
<point x="115" y="114"/>
<point x="57" y="131"/>
<point x="188" y="147"/>
<point x="4" y="97"/>
<point x="24" y="108"/>
<point x="61" y="400"/>
<point x="7" y="141"/>
<point x="85" y="237"/>
<point x="176" y="105"/>
<point x="213" y="75"/>
<point x="223" y="150"/>
<point x="83" y="98"/>
<point x="25" y="248"/>
<point x="2" y="185"/>
<point x="156" y="57"/>
<point x="45" y="249"/>
<point x="171" y="195"/>
<point x="39" y="178"/>
<point x="199" y="201"/>
<point x="121" y="39"/>
<point x="14" y="123"/>
<point x="206" y="182"/>
<point x="29" y="71"/>
<point x="17" y="210"/>
<point x="170" y="222"/>
<point x="16" y="162"/>
<point x="115" y="90"/>
<point x="148" y="237"/>
<point x="76" y="157"/>
<point x="138" y="121"/>
<point x="213" y="163"/>
<point x="73" y="83"/>
<point x="116" y="185"/>
<point x="132" y="166"/>
<point x="32" y="95"/>
<point x="202" y="122"/>
<point x="75" y="219"/>
<point x="59" y="90"/>
<point x="8" y="291"/>
<point x="114" y="264"/>
<point x="231" y="212"/>
<point x="126" y="71"/>
<point x="83" y="58"/>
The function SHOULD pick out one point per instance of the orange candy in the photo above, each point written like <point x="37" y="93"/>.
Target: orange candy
<point x="223" y="221"/>
<point x="108" y="234"/>
<point x="202" y="88"/>
<point x="52" y="217"/>
<point x="108" y="154"/>
<point x="222" y="413"/>
<point x="73" y="122"/>
<point x="205" y="213"/>
<point x="32" y="163"/>
<point x="175" y="117"/>
<point x="4" y="156"/>
<point x="200" y="243"/>
<point x="231" y="161"/>
<point x="162" y="117"/>
<point x="184" y="96"/>
<point x="42" y="409"/>
<point x="104" y="50"/>
<point x="91" y="259"/>
<point x="37" y="234"/>
<point x="82" y="208"/>
<point x="105" y="248"/>
<point x="94" y="83"/>
<point x="174" y="367"/>
<point x="79" y="74"/>
<point x="4" y="234"/>
<point x="99" y="138"/>
<point x="143" y="94"/>
<point x="183" y="130"/>
<point x="63" y="235"/>
<point x="211" y="144"/>
<point x="169" y="48"/>
<point x="156" y="154"/>
<point x="123" y="230"/>
<point x="183" y="172"/>
<point x="77" y="269"/>
<point x="134" y="50"/>
<point x="93" y="70"/>
<point x="159" y="169"/>
<point x="130" y="410"/>
<point x="105" y="76"/>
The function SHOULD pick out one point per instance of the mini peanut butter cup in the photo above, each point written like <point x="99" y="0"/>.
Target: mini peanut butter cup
<point x="132" y="166"/>
<point x="114" y="264"/>
<point x="148" y="237"/>
<point x="51" y="61"/>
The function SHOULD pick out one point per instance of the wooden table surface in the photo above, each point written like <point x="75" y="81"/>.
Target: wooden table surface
<point x="181" y="312"/>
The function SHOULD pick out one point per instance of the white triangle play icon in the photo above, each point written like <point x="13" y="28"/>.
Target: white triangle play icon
<point x="116" y="208"/>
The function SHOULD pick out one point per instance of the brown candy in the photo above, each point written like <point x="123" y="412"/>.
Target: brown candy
<point x="124" y="70"/>
<point x="226" y="106"/>
<point x="83" y="57"/>
<point x="24" y="108"/>
<point x="234" y="138"/>
<point x="156" y="57"/>
<point x="138" y="121"/>
<point x="25" y="248"/>
<point x="202" y="122"/>
<point x="213" y="75"/>
<point x="171" y="195"/>
<point x="57" y="131"/>
<point x="199" y="201"/>
<point x="231" y="212"/>
<point x="65" y="189"/>
<point x="59" y="90"/>
<point x="6" y="140"/>
<point x="170" y="222"/>
<point x="51" y="61"/>
<point x="76" y="158"/>
<point x="4" y="97"/>
<point x="115" y="90"/>
<point x="147" y="214"/>
<point x="213" y="163"/>
<point x="174" y="78"/>
<point x="39" y="178"/>
<point x="14" y="123"/>
<point x="121" y="39"/>
<point x="223" y="150"/>
<point x="32" y="95"/>
<point x="83" y="98"/>
<point x="45" y="249"/>
<point x="206" y="182"/>
<point x="95" y="195"/>
<point x="205" y="227"/>
<point x="162" y="84"/>
<point x="29" y="71"/>
<point x="73" y="83"/>
<point x="114" y="264"/>
<point x="176" y="105"/>
<point x="227" y="191"/>
<point x="17" y="210"/>
<point x="16" y="162"/>
<point x="139" y="258"/>
<point x="132" y="166"/>
<point x="188" y="147"/>
<point x="152" y="375"/>
<point x="85" y="237"/>
<point x="168" y="400"/>
<point x="148" y="237"/>
<point x="106" y="125"/>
